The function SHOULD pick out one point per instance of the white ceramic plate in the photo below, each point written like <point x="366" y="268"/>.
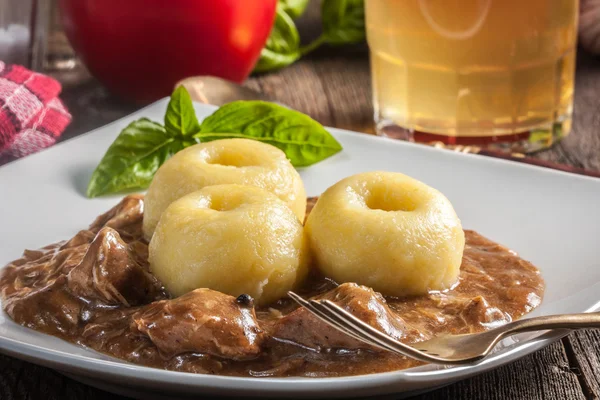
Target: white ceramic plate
<point x="550" y="218"/>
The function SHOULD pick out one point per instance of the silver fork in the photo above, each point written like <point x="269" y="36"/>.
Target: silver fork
<point x="445" y="349"/>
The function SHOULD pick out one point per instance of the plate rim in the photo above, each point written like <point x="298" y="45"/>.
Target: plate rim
<point x="378" y="382"/>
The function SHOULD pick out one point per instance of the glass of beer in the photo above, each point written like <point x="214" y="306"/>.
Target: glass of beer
<point x="483" y="73"/>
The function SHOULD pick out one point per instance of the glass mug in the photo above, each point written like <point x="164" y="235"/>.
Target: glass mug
<point x="483" y="73"/>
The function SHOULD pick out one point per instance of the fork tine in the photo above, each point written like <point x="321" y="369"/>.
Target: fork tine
<point x="341" y="324"/>
<point x="347" y="323"/>
<point x="382" y="339"/>
<point x="344" y="326"/>
<point x="368" y="335"/>
<point x="352" y="326"/>
<point x="316" y="311"/>
<point x="359" y="327"/>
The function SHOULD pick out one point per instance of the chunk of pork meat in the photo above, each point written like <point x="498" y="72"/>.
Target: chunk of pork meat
<point x="110" y="272"/>
<point x="301" y="327"/>
<point x="202" y="321"/>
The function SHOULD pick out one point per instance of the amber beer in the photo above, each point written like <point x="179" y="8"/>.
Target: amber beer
<point x="476" y="72"/>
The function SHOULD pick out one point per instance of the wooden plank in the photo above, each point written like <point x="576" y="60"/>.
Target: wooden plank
<point x="544" y="375"/>
<point x="333" y="88"/>
<point x="585" y="346"/>
<point x="582" y="147"/>
<point x="297" y="86"/>
<point x="92" y="106"/>
<point x="22" y="380"/>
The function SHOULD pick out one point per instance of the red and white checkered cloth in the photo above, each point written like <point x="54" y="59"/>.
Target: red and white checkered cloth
<point x="31" y="115"/>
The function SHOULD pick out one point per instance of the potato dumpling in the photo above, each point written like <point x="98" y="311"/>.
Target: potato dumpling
<point x="241" y="161"/>
<point x="387" y="231"/>
<point x="232" y="238"/>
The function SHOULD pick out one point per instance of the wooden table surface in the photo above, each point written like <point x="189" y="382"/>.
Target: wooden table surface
<point x="333" y="86"/>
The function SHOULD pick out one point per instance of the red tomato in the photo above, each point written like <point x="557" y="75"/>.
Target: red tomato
<point x="140" y="48"/>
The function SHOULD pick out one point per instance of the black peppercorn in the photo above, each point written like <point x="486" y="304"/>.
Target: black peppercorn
<point x="245" y="300"/>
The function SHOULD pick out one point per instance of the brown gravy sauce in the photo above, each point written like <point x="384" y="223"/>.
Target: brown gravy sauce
<point x="100" y="306"/>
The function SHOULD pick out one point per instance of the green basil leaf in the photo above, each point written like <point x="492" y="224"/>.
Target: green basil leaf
<point x="343" y="21"/>
<point x="132" y="159"/>
<point x="302" y="139"/>
<point x="293" y="8"/>
<point x="282" y="47"/>
<point x="180" y="119"/>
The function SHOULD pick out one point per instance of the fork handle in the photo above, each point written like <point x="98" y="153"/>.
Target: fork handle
<point x="564" y="321"/>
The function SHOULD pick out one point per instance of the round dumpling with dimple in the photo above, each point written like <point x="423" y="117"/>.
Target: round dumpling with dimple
<point x="235" y="239"/>
<point x="235" y="161"/>
<point x="387" y="231"/>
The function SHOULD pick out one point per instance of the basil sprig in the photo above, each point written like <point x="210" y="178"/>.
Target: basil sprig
<point x="143" y="146"/>
<point x="294" y="8"/>
<point x="180" y="118"/>
<point x="343" y="23"/>
<point x="132" y="159"/>
<point x="282" y="47"/>
<point x="302" y="139"/>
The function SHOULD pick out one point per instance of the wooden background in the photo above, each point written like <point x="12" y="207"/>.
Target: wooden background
<point x="333" y="86"/>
